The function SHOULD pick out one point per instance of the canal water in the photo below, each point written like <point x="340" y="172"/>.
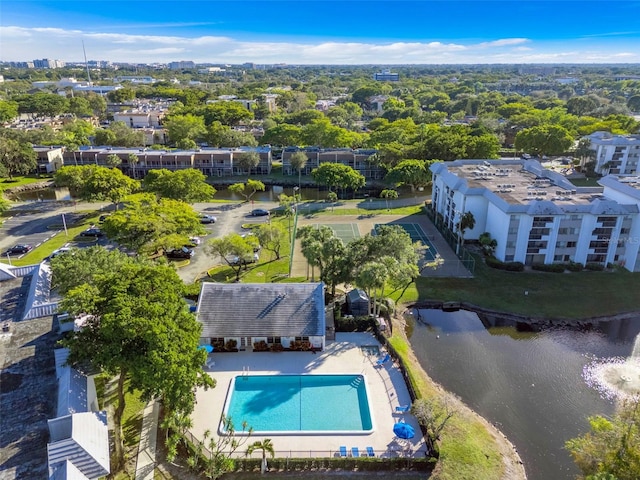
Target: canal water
<point x="270" y="194"/>
<point x="531" y="385"/>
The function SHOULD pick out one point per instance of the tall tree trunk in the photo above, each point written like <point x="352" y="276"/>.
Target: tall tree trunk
<point x="117" y="420"/>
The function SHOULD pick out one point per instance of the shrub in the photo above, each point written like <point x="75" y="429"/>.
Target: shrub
<point x="594" y="267"/>
<point x="354" y="324"/>
<point x="493" y="262"/>
<point x="549" y="267"/>
<point x="574" y="267"/>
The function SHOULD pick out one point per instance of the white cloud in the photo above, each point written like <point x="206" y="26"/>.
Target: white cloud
<point x="21" y="43"/>
<point x="504" y="42"/>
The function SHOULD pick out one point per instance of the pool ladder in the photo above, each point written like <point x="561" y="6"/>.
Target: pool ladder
<point x="245" y="371"/>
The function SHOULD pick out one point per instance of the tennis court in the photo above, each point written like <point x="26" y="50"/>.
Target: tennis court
<point x="417" y="235"/>
<point x="344" y="231"/>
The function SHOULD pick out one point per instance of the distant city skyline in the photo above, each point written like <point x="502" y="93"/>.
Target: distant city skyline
<point x="322" y="32"/>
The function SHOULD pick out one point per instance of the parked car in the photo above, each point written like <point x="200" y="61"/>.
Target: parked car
<point x="59" y="251"/>
<point x="92" y="232"/>
<point x="259" y="212"/>
<point x="235" y="260"/>
<point x="19" y="249"/>
<point x="207" y="218"/>
<point x="193" y="242"/>
<point x="183" y="252"/>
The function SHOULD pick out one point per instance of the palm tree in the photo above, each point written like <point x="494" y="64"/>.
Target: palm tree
<point x="298" y="161"/>
<point x="133" y="161"/>
<point x="266" y="446"/>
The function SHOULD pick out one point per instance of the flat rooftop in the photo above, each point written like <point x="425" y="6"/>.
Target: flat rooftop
<point x="385" y="386"/>
<point x="516" y="184"/>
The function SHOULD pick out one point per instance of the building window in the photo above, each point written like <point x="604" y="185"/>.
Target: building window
<point x="509" y="258"/>
<point x="571" y="244"/>
<point x="274" y="340"/>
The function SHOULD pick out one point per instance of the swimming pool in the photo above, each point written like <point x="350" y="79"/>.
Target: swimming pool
<point x="278" y="404"/>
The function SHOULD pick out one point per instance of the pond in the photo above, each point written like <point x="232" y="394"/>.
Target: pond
<point x="534" y="386"/>
<point x="270" y="194"/>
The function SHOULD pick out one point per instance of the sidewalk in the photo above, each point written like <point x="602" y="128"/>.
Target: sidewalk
<point x="146" y="463"/>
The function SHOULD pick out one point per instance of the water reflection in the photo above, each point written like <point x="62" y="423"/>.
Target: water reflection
<point x="271" y="194"/>
<point x="529" y="383"/>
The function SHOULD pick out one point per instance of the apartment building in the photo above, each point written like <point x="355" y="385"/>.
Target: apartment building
<point x="358" y="159"/>
<point x="537" y="215"/>
<point x="49" y="158"/>
<point x="615" y="154"/>
<point x="136" y="162"/>
<point x="141" y="118"/>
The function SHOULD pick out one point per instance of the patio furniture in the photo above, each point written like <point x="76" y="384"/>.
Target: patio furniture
<point x="370" y="452"/>
<point x="355" y="452"/>
<point x="383" y="360"/>
<point x="403" y="408"/>
<point x="343" y="451"/>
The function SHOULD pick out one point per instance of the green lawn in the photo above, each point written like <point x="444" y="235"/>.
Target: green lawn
<point x="327" y="210"/>
<point x="43" y="251"/>
<point x="267" y="270"/>
<point x="6" y="183"/>
<point x="467" y="449"/>
<point x="577" y="295"/>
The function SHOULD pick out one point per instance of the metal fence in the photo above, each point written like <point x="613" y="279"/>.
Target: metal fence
<point x="394" y="451"/>
<point x="452" y="240"/>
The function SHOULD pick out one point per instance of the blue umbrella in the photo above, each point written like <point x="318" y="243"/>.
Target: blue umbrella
<point x="403" y="430"/>
<point x="208" y="348"/>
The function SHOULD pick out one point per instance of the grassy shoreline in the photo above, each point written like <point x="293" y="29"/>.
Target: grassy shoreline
<point x="538" y="295"/>
<point x="470" y="447"/>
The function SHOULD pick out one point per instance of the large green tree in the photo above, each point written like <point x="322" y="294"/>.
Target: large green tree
<point x="188" y="185"/>
<point x="119" y="134"/>
<point x="8" y="111"/>
<point x="185" y="127"/>
<point x="234" y="250"/>
<point x="414" y="173"/>
<point x="272" y="236"/>
<point x="148" y="224"/>
<point x="544" y="140"/>
<point x="94" y="183"/>
<point x="612" y="447"/>
<point x="248" y="189"/>
<point x="137" y="328"/>
<point x="337" y="175"/>
<point x="16" y="158"/>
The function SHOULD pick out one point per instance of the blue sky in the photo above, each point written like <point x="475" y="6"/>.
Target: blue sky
<point x="323" y="32"/>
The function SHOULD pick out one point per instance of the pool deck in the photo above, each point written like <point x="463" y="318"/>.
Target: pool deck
<point x="385" y="385"/>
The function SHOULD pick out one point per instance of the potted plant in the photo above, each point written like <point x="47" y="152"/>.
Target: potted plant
<point x="231" y="345"/>
<point x="277" y="347"/>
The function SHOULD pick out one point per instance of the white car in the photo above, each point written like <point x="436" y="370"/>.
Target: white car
<point x="195" y="240"/>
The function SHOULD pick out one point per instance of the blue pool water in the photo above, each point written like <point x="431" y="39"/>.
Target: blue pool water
<point x="300" y="403"/>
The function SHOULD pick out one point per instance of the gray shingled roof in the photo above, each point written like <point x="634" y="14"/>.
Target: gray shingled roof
<point x="261" y="309"/>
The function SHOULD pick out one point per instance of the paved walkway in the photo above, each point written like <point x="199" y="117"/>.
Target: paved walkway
<point x="146" y="462"/>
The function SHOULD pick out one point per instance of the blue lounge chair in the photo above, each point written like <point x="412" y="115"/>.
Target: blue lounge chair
<point x="343" y="451"/>
<point x="383" y="360"/>
<point x="403" y="408"/>
<point x="355" y="452"/>
<point x="370" y="452"/>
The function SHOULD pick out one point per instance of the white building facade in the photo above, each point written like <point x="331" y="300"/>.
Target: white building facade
<point x="537" y="215"/>
<point x="615" y="154"/>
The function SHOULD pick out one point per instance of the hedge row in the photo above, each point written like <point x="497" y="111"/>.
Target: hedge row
<point x="493" y="262"/>
<point x="549" y="267"/>
<point x="370" y="464"/>
<point x="354" y="324"/>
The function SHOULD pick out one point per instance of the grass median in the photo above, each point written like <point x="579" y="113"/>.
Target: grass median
<point x="571" y="296"/>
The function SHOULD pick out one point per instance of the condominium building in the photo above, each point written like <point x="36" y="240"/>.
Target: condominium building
<point x="537" y="215"/>
<point x="615" y="154"/>
<point x="358" y="159"/>
<point x="136" y="162"/>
